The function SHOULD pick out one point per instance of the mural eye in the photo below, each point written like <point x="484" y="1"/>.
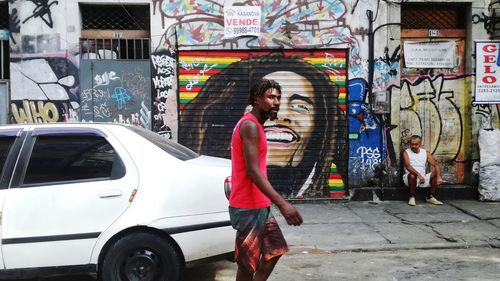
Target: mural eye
<point x="301" y="108"/>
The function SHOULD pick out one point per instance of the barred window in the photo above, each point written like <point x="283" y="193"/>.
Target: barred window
<point x="429" y="16"/>
<point x="111" y="32"/>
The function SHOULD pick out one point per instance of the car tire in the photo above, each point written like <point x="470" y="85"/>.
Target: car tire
<point x="142" y="257"/>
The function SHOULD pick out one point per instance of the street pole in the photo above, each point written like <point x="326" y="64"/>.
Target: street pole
<point x="371" y="63"/>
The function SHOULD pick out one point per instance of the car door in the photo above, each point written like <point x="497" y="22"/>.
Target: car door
<point x="10" y="143"/>
<point x="69" y="185"/>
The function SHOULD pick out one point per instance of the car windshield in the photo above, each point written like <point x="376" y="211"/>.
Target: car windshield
<point x="177" y="150"/>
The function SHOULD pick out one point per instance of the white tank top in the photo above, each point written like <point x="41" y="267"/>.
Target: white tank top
<point x="417" y="160"/>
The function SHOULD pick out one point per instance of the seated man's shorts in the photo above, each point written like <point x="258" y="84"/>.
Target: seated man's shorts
<point x="427" y="182"/>
<point x="258" y="235"/>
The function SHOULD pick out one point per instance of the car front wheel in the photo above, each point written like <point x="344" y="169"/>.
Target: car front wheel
<point x="141" y="257"/>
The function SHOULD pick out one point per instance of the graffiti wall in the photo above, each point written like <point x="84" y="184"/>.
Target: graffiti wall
<point x="306" y="143"/>
<point x="300" y="24"/>
<point x="116" y="91"/>
<point x="46" y="84"/>
<point x="44" y="75"/>
<point x="490" y="20"/>
<point x="45" y="59"/>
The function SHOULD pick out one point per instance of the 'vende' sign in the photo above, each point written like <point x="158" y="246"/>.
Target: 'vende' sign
<point x="487" y="72"/>
<point x="241" y="21"/>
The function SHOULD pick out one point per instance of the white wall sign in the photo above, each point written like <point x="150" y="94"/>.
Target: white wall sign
<point x="241" y="21"/>
<point x="429" y="54"/>
<point x="487" y="72"/>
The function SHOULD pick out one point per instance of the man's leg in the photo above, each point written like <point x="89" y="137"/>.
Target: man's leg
<point x="265" y="269"/>
<point x="411" y="181"/>
<point x="430" y="198"/>
<point x="243" y="274"/>
<point x="412" y="184"/>
<point x="434" y="185"/>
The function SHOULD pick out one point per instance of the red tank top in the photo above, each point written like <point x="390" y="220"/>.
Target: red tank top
<point x="244" y="193"/>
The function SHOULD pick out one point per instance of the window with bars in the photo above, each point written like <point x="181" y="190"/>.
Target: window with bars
<point x="111" y="32"/>
<point x="433" y="16"/>
<point x="115" y="49"/>
<point x="115" y="17"/>
<point x="4" y="41"/>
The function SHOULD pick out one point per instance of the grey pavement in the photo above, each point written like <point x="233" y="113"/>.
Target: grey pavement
<point x="386" y="240"/>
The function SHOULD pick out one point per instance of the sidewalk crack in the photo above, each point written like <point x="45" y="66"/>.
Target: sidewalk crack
<point x="440" y="235"/>
<point x="473" y="215"/>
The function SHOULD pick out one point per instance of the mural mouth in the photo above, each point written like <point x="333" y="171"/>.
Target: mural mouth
<point x="281" y="135"/>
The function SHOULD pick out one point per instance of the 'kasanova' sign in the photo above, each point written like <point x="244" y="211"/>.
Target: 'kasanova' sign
<point x="241" y="21"/>
<point x="487" y="72"/>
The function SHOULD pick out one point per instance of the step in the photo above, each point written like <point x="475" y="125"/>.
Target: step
<point x="445" y="192"/>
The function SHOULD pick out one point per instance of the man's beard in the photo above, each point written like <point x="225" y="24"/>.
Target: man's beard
<point x="272" y="115"/>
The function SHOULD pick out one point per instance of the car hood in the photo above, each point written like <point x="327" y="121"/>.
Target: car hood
<point x="212" y="161"/>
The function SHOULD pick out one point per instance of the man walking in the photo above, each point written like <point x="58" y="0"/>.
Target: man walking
<point x="259" y="240"/>
<point x="415" y="159"/>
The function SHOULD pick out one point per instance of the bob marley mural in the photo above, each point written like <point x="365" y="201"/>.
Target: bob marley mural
<point x="307" y="143"/>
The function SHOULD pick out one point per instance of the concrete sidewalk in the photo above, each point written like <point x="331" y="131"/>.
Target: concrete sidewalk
<point x="387" y="225"/>
<point x="387" y="240"/>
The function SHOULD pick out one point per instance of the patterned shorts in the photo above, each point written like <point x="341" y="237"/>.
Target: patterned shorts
<point x="258" y="236"/>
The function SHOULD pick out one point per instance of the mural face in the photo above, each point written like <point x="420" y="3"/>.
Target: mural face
<point x="306" y="141"/>
<point x="289" y="134"/>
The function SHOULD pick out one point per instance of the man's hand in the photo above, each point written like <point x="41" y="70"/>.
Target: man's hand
<point x="421" y="179"/>
<point x="291" y="214"/>
<point x="439" y="180"/>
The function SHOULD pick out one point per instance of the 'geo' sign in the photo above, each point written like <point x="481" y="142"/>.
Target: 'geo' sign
<point x="241" y="21"/>
<point x="487" y="72"/>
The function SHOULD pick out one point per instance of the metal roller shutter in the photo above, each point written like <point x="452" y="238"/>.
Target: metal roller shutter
<point x="307" y="145"/>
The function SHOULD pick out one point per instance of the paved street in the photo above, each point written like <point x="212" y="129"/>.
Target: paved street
<point x="382" y="241"/>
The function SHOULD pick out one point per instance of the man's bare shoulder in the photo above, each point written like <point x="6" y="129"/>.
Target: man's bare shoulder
<point x="249" y="128"/>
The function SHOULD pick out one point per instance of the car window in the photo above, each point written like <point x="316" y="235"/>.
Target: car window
<point x="5" y="145"/>
<point x="177" y="150"/>
<point x="57" y="158"/>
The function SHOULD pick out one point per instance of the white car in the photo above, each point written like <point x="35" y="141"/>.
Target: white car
<point x="108" y="198"/>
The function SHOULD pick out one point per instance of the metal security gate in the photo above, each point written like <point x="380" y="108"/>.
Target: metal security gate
<point x="307" y="145"/>
<point x="116" y="91"/>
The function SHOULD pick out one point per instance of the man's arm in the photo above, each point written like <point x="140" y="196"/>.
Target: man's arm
<point x="250" y="135"/>
<point x="411" y="170"/>
<point x="435" y="167"/>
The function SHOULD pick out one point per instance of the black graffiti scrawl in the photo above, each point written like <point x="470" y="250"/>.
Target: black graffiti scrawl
<point x="163" y="82"/>
<point x="42" y="10"/>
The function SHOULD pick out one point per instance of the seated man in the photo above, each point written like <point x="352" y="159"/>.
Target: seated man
<point x="415" y="160"/>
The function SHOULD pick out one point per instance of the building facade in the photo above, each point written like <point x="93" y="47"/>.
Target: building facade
<point x="350" y="101"/>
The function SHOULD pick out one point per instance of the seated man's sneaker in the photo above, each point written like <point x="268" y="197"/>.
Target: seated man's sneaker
<point x="433" y="201"/>
<point x="411" y="202"/>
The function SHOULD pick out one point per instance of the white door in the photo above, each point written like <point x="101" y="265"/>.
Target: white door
<point x="73" y="189"/>
<point x="10" y="143"/>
